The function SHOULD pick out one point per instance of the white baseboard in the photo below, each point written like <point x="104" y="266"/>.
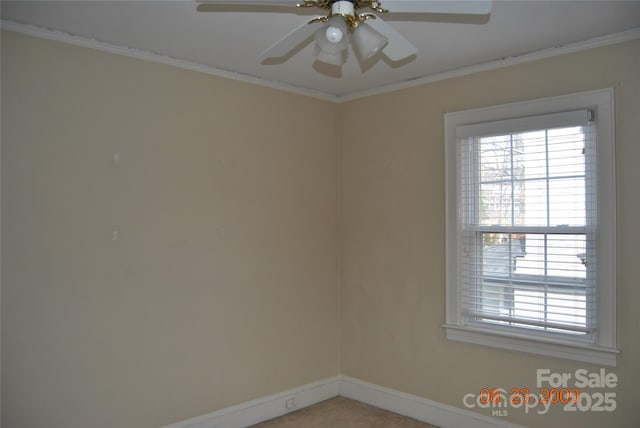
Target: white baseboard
<point x="265" y="408"/>
<point x="432" y="412"/>
<point x="272" y="406"/>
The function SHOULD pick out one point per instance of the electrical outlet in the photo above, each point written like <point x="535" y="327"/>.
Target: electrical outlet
<point x="290" y="403"/>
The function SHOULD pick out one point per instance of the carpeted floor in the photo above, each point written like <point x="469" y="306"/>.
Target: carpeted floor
<point x="340" y="412"/>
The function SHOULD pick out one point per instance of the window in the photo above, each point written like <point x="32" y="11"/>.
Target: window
<point x="531" y="227"/>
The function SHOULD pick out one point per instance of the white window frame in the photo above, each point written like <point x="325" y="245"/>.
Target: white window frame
<point x="604" y="347"/>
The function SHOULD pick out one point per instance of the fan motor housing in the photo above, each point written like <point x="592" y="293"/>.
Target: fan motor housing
<point x="343" y="8"/>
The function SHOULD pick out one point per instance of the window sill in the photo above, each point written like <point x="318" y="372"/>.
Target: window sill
<point x="514" y="342"/>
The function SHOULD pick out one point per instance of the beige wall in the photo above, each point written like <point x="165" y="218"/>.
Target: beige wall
<point x="393" y="292"/>
<point x="222" y="284"/>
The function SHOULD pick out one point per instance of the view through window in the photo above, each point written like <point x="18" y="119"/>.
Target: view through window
<point x="529" y="225"/>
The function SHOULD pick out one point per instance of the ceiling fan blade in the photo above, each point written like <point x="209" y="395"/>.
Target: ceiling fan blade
<point x="398" y="47"/>
<point x="251" y="2"/>
<point x="471" y="7"/>
<point x="291" y="40"/>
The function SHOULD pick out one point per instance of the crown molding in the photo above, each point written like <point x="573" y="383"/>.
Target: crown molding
<point x="64" y="37"/>
<point x="609" y="39"/>
<point x="68" y="38"/>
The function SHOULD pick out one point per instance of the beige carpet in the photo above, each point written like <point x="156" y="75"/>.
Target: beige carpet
<point x="340" y="412"/>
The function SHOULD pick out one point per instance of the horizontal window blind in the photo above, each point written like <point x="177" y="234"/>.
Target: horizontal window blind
<point x="521" y="124"/>
<point x="526" y="222"/>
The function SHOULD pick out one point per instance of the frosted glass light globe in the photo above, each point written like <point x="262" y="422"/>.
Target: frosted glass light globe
<point x="334" y="34"/>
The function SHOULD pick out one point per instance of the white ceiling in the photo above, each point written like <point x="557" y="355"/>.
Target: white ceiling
<point x="231" y="40"/>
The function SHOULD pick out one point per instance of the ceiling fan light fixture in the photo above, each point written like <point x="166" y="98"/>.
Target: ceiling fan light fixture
<point x="334" y="34"/>
<point x="342" y="19"/>
<point x="366" y="41"/>
<point x="333" y="58"/>
<point x="333" y="37"/>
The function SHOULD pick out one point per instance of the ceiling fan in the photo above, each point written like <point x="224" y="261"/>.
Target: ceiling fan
<point x="357" y="22"/>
